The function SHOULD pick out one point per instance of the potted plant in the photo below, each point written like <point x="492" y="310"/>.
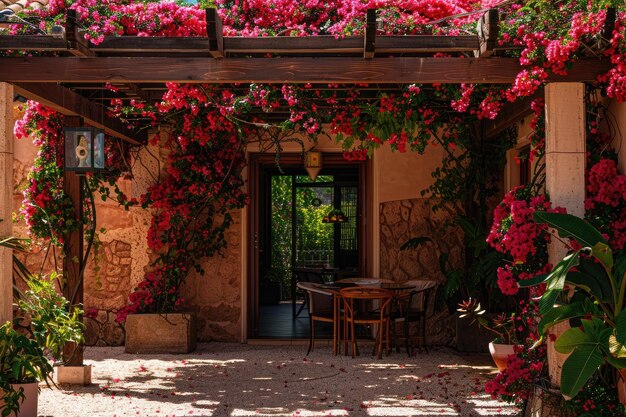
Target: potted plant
<point x="49" y="319"/>
<point x="44" y="330"/>
<point x="597" y="284"/>
<point x="22" y="365"/>
<point x="502" y="327"/>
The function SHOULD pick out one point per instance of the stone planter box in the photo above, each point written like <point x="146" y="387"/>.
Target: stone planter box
<point x="161" y="333"/>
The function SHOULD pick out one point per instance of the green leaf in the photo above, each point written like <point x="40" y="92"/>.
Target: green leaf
<point x="603" y="253"/>
<point x="571" y="339"/>
<point x="587" y="282"/>
<point x="618" y="363"/>
<point x="560" y="313"/>
<point x="556" y="281"/>
<point x="579" y="367"/>
<point x="531" y="282"/>
<point x="569" y="226"/>
<point x="620" y="327"/>
<point x="596" y="272"/>
<point x="415" y="242"/>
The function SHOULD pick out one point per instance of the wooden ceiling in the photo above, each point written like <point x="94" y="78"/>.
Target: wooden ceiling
<point x="65" y="72"/>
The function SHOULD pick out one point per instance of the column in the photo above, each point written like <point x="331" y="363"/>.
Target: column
<point x="6" y="200"/>
<point x="565" y="151"/>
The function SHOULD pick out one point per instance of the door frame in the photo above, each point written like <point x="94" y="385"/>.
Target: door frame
<point x="256" y="164"/>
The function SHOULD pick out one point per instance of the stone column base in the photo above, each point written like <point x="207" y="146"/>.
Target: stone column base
<point x="74" y="375"/>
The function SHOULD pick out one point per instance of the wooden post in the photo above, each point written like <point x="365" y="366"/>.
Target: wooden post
<point x="214" y="33"/>
<point x="369" y="40"/>
<point x="73" y="250"/>
<point x="6" y="200"/>
<point x="488" y="28"/>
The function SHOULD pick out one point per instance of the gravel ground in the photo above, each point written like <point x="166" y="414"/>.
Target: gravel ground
<point x="243" y="380"/>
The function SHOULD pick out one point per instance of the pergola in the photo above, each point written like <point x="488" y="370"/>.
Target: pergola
<point x="69" y="75"/>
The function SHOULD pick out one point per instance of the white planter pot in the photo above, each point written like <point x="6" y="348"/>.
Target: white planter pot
<point x="500" y="353"/>
<point x="28" y="406"/>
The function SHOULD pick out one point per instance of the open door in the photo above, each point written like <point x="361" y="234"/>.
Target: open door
<point x="294" y="224"/>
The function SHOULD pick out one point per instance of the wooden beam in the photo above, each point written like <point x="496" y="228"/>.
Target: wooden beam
<point x="132" y="45"/>
<point x="32" y="43"/>
<point x="214" y="33"/>
<point x="488" y="33"/>
<point x="70" y="103"/>
<point x="293" y="45"/>
<point x="395" y="44"/>
<point x="278" y="70"/>
<point x="369" y="40"/>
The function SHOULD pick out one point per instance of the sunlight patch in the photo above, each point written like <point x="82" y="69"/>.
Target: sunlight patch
<point x="282" y="412"/>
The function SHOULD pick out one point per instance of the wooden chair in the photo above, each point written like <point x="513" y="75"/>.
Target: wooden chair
<point x="357" y="311"/>
<point x="321" y="308"/>
<point x="413" y="307"/>
<point x="303" y="275"/>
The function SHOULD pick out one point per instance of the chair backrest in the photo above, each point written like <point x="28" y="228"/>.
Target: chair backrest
<point x="319" y="303"/>
<point x="308" y="275"/>
<point x="421" y="294"/>
<point x="367" y="293"/>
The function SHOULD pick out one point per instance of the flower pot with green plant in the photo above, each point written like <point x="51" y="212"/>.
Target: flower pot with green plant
<point x="44" y="331"/>
<point x="48" y="317"/>
<point x="595" y="284"/>
<point x="22" y="365"/>
<point x="502" y="327"/>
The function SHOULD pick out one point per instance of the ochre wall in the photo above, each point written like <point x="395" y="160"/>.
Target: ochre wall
<point x="402" y="176"/>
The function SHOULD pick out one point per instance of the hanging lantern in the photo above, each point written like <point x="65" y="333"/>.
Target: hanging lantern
<point x="84" y="149"/>
<point x="335" y="216"/>
<point x="313" y="163"/>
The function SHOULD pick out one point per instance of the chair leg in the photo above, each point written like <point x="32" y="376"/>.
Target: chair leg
<point x="387" y="336"/>
<point x="407" y="338"/>
<point x="424" y="333"/>
<point x="394" y="332"/>
<point x="353" y="335"/>
<point x="311" y="331"/>
<point x="300" y="309"/>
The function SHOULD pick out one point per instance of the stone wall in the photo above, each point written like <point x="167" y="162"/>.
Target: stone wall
<point x="216" y="296"/>
<point x="119" y="261"/>
<point x="402" y="220"/>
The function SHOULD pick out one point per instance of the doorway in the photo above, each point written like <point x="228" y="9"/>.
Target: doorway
<point x="300" y="223"/>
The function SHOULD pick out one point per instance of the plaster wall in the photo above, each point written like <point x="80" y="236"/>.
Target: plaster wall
<point x="402" y="176"/>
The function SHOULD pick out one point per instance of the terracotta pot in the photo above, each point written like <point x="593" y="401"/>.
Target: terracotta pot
<point x="28" y="406"/>
<point x="500" y="353"/>
<point x="160" y="333"/>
